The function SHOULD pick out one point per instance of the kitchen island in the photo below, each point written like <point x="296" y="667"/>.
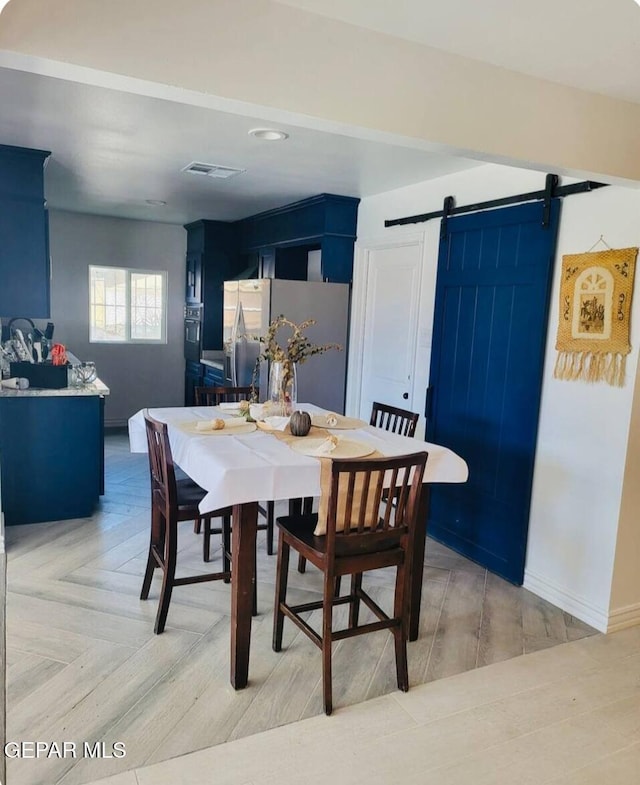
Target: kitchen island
<point x="51" y="452"/>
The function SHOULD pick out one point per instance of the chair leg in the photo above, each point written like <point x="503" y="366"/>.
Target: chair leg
<point x="206" y="542"/>
<point x="254" y="609"/>
<point x="155" y="539"/>
<point x="282" y="573"/>
<point x="400" y="611"/>
<point x="327" y="626"/>
<point x="197" y="525"/>
<point x="354" y="606"/>
<point x="307" y="509"/>
<point x="170" y="554"/>
<point x="270" y="518"/>
<point x="226" y="545"/>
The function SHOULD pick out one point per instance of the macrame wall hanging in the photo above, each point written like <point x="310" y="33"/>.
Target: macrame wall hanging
<point x="595" y="307"/>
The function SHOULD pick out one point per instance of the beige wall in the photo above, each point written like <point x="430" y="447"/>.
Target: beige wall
<point x="271" y="55"/>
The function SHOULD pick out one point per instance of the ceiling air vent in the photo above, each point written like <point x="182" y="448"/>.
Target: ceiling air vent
<point x="212" y="170"/>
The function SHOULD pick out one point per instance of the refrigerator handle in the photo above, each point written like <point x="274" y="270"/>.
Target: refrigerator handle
<point x="234" y="365"/>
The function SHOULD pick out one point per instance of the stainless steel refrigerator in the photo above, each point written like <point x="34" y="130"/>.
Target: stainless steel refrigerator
<point x="250" y="306"/>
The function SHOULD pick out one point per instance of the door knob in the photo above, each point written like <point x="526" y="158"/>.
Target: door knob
<point x="405" y="396"/>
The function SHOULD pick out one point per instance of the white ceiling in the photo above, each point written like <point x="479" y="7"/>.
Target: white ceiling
<point x="113" y="150"/>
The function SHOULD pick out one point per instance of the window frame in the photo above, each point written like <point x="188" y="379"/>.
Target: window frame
<point x="128" y="340"/>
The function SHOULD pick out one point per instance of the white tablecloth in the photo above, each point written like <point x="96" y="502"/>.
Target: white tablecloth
<point x="252" y="466"/>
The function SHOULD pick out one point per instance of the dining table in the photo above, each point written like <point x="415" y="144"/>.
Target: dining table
<point x="244" y="466"/>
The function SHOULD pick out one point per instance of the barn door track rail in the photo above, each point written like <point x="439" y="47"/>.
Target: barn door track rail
<point x="551" y="191"/>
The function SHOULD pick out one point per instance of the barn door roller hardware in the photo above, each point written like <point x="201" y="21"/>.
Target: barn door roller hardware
<point x="551" y="191"/>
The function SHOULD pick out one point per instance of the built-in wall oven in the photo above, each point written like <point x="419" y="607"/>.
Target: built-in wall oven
<point x="193" y="333"/>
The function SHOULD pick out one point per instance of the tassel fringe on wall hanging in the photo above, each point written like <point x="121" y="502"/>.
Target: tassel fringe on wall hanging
<point x="595" y="306"/>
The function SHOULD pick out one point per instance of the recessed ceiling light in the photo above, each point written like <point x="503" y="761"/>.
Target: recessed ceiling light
<point x="155" y="203"/>
<point x="269" y="134"/>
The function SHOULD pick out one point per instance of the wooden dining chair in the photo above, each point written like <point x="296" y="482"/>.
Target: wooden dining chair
<point x="391" y="418"/>
<point x="212" y="396"/>
<point x="368" y="527"/>
<point x="172" y="501"/>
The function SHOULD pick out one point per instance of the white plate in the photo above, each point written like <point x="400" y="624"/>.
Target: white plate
<point x="346" y="448"/>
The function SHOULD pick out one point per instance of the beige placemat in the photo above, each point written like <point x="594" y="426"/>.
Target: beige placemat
<point x="345" y="448"/>
<point x="325" y="485"/>
<point x="343" y="424"/>
<point x="234" y="430"/>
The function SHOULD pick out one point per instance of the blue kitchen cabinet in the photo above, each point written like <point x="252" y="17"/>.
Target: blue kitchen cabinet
<point x="213" y="377"/>
<point x="193" y="377"/>
<point x="52" y="449"/>
<point x="284" y="236"/>
<point x="212" y="259"/>
<point x="24" y="229"/>
<point x="193" y="287"/>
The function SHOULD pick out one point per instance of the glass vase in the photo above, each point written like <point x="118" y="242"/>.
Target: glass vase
<point x="283" y="388"/>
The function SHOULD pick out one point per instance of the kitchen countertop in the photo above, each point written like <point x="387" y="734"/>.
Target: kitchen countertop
<point x="214" y="358"/>
<point x="95" y="388"/>
<point x="213" y="363"/>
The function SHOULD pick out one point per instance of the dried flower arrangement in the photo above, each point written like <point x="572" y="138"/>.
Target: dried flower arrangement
<point x="298" y="348"/>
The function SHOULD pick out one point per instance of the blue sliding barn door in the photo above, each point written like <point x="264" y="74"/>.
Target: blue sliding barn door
<point x="490" y="326"/>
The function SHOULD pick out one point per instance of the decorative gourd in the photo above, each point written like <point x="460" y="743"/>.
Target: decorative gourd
<point x="300" y="423"/>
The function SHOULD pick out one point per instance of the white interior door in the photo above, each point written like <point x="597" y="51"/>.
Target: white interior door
<point x="390" y="326"/>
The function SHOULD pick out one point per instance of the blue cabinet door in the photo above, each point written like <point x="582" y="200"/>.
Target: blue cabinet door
<point x="52" y="457"/>
<point x="24" y="233"/>
<point x="192" y="378"/>
<point x="193" y="282"/>
<point x="213" y="377"/>
<point x="490" y="324"/>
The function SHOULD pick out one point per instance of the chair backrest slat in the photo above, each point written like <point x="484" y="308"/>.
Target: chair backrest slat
<point x="161" y="466"/>
<point x="212" y="396"/>
<point x="355" y="498"/>
<point x="348" y="514"/>
<point x="391" y="418"/>
<point x="363" y="507"/>
<point x="378" y="494"/>
<point x="390" y="495"/>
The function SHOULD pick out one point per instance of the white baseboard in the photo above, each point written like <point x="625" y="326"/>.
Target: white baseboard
<point x="116" y="423"/>
<point x="567" y="601"/>
<point x="621" y="618"/>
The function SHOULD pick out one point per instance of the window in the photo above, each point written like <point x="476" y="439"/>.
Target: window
<point x="127" y="306"/>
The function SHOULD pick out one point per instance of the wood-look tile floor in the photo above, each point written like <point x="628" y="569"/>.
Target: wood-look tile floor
<point x="83" y="663"/>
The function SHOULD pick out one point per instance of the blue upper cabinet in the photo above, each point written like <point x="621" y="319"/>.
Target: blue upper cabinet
<point x="212" y="259"/>
<point x="326" y="222"/>
<point x="24" y="234"/>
